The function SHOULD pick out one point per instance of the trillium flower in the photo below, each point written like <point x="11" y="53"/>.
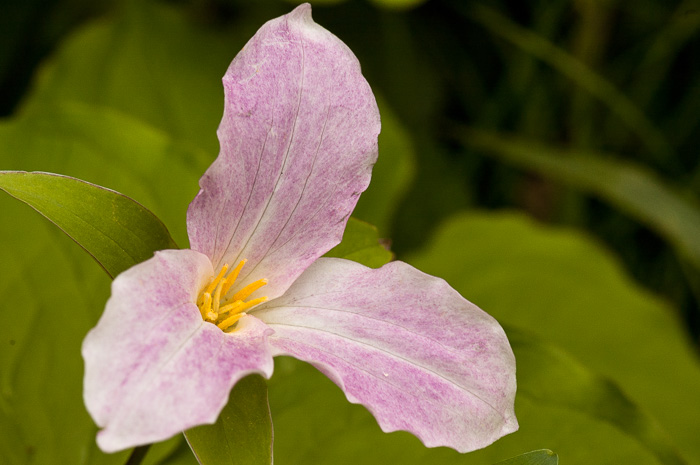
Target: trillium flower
<point x="298" y="140"/>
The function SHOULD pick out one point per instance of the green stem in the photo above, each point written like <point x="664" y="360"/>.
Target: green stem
<point x="137" y="455"/>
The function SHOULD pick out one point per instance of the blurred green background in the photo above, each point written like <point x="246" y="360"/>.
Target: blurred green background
<point x="542" y="157"/>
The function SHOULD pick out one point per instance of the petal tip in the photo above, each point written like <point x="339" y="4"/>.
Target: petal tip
<point x="302" y="12"/>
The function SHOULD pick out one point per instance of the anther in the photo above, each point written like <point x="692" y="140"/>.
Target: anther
<point x="217" y="309"/>
<point x="224" y="325"/>
<point x="205" y="308"/>
<point x="231" y="278"/>
<point x="231" y="308"/>
<point x="212" y="285"/>
<point x="251" y="303"/>
<point x="217" y="297"/>
<point x="249" y="289"/>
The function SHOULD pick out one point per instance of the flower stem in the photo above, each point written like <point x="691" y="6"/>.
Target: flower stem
<point x="137" y="455"/>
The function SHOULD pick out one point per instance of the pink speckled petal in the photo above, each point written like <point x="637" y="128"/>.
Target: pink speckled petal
<point x="298" y="141"/>
<point x="418" y="355"/>
<point x="153" y="368"/>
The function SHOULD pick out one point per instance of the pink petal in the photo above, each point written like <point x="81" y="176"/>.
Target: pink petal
<point x="418" y="355"/>
<point x="298" y="141"/>
<point x="153" y="367"/>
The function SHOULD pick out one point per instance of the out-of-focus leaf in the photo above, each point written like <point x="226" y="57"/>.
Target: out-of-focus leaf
<point x="181" y="456"/>
<point x="630" y="188"/>
<point x="111" y="149"/>
<point x="316" y="2"/>
<point x="117" y="231"/>
<point x="397" y="4"/>
<point x="163" y="452"/>
<point x="242" y="435"/>
<point x="550" y="377"/>
<point x="593" y="83"/>
<point x="654" y="70"/>
<point x="391" y="175"/>
<point x="361" y="244"/>
<point x="564" y="288"/>
<point x="148" y="61"/>
<point x="536" y="457"/>
<point x="51" y="293"/>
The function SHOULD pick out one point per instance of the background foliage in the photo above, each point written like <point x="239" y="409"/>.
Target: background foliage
<point x="540" y="156"/>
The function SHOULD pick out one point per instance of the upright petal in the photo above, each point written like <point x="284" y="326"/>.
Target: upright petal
<point x="153" y="367"/>
<point x="298" y="141"/>
<point x="404" y="344"/>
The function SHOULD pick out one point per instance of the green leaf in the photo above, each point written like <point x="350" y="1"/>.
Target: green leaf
<point x="148" y="61"/>
<point x="181" y="456"/>
<point x="361" y="244"/>
<point x="117" y="231"/>
<point x="50" y="296"/>
<point x="631" y="188"/>
<point x="109" y="148"/>
<point x="242" y="435"/>
<point x="163" y="452"/>
<point x="536" y="457"/>
<point x="550" y="377"/>
<point x="567" y="290"/>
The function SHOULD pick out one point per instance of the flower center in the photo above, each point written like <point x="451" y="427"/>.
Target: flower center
<point x="224" y="312"/>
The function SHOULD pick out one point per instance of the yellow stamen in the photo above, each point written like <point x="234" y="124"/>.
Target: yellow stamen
<point x="231" y="308"/>
<point x="205" y="307"/>
<point x="216" y="280"/>
<point x="250" y="304"/>
<point x="217" y="297"/>
<point x="230" y="320"/>
<point x="249" y="289"/>
<point x="217" y="309"/>
<point x="231" y="278"/>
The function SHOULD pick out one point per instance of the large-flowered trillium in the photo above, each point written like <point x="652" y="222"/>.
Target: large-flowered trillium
<point x="298" y="141"/>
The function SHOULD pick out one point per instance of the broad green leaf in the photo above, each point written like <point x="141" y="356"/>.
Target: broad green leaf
<point x="62" y="294"/>
<point x="181" y="456"/>
<point x="149" y="61"/>
<point x="163" y="452"/>
<point x="111" y="149"/>
<point x="117" y="231"/>
<point x="631" y="188"/>
<point x="361" y="243"/>
<point x="536" y="457"/>
<point x="548" y="376"/>
<point x="563" y="287"/>
<point x="241" y="434"/>
<point x="51" y="294"/>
